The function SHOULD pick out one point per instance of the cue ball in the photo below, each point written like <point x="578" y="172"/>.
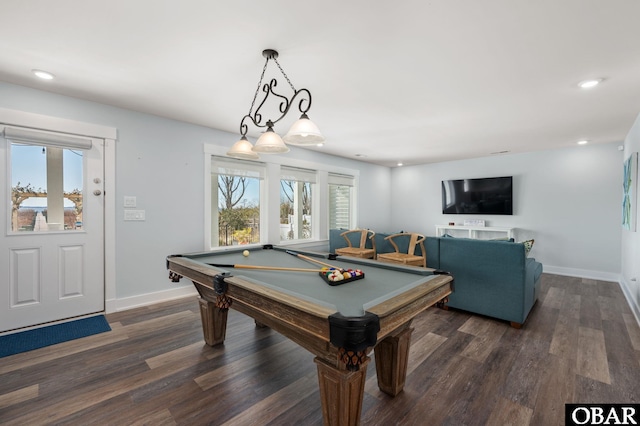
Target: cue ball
<point x="245" y="253"/>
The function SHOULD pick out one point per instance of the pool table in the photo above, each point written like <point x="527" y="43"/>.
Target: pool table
<point x="339" y="324"/>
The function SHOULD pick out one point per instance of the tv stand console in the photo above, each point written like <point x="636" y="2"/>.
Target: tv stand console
<point x="476" y="232"/>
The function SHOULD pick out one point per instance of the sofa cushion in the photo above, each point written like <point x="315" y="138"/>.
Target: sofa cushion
<point x="336" y="240"/>
<point x="432" y="247"/>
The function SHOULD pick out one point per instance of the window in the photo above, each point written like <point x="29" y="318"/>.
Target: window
<point x="235" y="201"/>
<point x="296" y="191"/>
<point x="279" y="200"/>
<point x="46" y="180"/>
<point x="340" y="201"/>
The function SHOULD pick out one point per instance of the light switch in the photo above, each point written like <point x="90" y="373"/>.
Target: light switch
<point x="129" y="201"/>
<point x="134" y="215"/>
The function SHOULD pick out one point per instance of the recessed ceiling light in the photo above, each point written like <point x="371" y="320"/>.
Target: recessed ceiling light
<point x="588" y="84"/>
<point x="361" y="155"/>
<point x="400" y="164"/>
<point x="583" y="142"/>
<point x="320" y="144"/>
<point x="43" y="74"/>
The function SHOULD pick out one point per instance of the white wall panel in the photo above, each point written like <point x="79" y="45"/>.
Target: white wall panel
<point x="71" y="271"/>
<point x="24" y="276"/>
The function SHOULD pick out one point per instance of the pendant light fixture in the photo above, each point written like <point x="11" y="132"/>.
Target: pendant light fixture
<point x="243" y="149"/>
<point x="303" y="132"/>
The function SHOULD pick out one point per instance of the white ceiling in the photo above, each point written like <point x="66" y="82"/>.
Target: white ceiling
<point x="411" y="81"/>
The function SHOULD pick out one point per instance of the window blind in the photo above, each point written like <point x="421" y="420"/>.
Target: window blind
<point x="337" y="179"/>
<point x="40" y="138"/>
<point x="225" y="166"/>
<point x="298" y="175"/>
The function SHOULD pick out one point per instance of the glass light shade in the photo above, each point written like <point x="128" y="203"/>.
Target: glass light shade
<point x="243" y="149"/>
<point x="270" y="143"/>
<point x="304" y="132"/>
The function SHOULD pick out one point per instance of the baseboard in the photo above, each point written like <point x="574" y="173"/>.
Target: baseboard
<point x="582" y="273"/>
<point x="633" y="304"/>
<point x="115" y="305"/>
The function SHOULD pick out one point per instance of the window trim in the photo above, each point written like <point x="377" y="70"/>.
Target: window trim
<point x="270" y="232"/>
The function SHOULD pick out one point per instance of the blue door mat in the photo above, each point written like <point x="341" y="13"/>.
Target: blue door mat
<point x="29" y="340"/>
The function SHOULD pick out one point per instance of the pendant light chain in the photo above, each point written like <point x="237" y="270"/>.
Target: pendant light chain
<point x="285" y="75"/>
<point x="255" y="96"/>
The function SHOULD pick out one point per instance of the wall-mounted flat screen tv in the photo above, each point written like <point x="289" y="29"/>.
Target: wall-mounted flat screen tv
<point x="478" y="196"/>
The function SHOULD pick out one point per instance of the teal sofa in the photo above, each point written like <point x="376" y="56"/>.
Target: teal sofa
<point x="492" y="278"/>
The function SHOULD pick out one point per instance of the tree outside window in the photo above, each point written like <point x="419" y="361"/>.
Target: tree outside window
<point x="235" y="203"/>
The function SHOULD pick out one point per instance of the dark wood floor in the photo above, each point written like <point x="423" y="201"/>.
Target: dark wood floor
<point x="581" y="343"/>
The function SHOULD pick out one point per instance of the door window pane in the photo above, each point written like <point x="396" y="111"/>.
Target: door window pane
<point x="46" y="188"/>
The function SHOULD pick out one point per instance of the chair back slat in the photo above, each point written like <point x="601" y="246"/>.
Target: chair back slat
<point x="408" y="257"/>
<point x="361" y="250"/>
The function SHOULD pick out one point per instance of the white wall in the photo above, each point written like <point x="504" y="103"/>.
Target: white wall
<point x="631" y="240"/>
<point x="160" y="161"/>
<point x="568" y="200"/>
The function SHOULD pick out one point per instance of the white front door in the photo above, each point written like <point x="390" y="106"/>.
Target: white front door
<point x="52" y="219"/>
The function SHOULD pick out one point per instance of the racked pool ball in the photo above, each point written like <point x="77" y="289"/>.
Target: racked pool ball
<point x="335" y="276"/>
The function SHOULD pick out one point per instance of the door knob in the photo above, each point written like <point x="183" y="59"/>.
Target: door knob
<point x="97" y="192"/>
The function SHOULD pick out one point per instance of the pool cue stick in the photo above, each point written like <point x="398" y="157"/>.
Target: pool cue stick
<point x="266" y="268"/>
<point x="310" y="259"/>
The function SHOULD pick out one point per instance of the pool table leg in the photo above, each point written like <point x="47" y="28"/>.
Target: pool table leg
<point x="392" y="355"/>
<point x="214" y="322"/>
<point x="341" y="392"/>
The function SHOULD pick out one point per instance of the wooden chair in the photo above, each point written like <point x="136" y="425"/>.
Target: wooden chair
<point x="408" y="258"/>
<point x="361" y="251"/>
